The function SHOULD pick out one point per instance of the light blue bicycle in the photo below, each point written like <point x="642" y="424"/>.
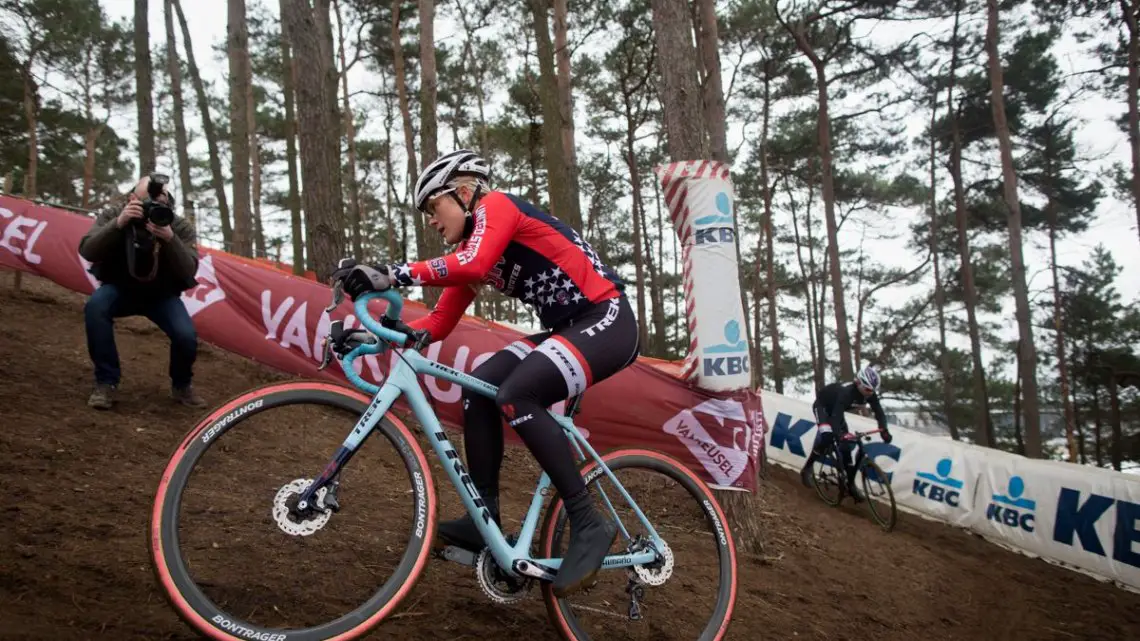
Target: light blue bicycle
<point x="650" y="598"/>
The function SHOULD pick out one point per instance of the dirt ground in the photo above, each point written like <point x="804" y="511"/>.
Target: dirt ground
<point x="76" y="488"/>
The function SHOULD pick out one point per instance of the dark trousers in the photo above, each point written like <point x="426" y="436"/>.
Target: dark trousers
<point x="110" y="302"/>
<point x="824" y="440"/>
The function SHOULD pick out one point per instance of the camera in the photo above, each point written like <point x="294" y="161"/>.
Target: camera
<point x="153" y="210"/>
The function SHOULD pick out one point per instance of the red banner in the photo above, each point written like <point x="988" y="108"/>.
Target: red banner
<point x="278" y="319"/>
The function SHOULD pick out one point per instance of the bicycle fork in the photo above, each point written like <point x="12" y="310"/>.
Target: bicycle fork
<point x="367" y="422"/>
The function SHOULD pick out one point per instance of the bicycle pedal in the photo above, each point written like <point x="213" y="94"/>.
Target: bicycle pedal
<point x="457" y="555"/>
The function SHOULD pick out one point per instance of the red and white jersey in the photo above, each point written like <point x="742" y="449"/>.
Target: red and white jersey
<point x="524" y="253"/>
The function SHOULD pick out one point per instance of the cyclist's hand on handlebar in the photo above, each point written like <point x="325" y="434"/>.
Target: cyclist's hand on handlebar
<point x="361" y="279"/>
<point x="417" y="338"/>
<point x="887" y="438"/>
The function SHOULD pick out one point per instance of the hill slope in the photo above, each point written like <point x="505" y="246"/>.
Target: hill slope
<point x="78" y="487"/>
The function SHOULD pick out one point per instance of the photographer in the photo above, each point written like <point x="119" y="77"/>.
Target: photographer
<point x="145" y="257"/>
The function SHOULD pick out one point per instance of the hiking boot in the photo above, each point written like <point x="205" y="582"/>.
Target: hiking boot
<point x="591" y="535"/>
<point x="102" y="397"/>
<point x="187" y="396"/>
<point x="462" y="532"/>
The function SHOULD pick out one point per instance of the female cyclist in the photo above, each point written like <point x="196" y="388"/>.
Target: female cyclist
<point x="591" y="334"/>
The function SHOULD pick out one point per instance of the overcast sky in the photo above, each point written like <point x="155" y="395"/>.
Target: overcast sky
<point x="1114" y="227"/>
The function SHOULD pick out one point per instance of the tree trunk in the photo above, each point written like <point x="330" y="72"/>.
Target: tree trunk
<point x="983" y="428"/>
<point x="31" y="117"/>
<point x="1058" y="326"/>
<point x="237" y="48"/>
<point x="1017" y="407"/>
<point x="392" y="244"/>
<point x="638" y="246"/>
<point x="1077" y="418"/>
<point x="1020" y="290"/>
<point x="657" y="289"/>
<point x="563" y="197"/>
<point x="355" y="217"/>
<point x="406" y="114"/>
<point x="657" y="307"/>
<point x="807" y="275"/>
<point x="687" y="140"/>
<point x="566" y="103"/>
<point x="174" y="69"/>
<point x="818" y="298"/>
<point x="1117" y="437"/>
<point x="1131" y="11"/>
<point x="676" y="61"/>
<point x="766" y="187"/>
<point x="92" y="134"/>
<point x="143" y="88"/>
<point x="208" y="128"/>
<point x="757" y="294"/>
<point x="255" y="175"/>
<point x="289" y="74"/>
<point x="309" y="31"/>
<point x="1098" y="452"/>
<point x="89" y="165"/>
<point x="939" y="291"/>
<point x="712" y="91"/>
<point x="846" y="369"/>
<point x="429" y="145"/>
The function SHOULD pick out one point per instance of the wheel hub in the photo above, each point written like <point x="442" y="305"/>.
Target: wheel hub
<point x="296" y="522"/>
<point x="661" y="569"/>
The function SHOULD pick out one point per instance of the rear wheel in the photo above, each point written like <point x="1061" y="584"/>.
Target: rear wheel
<point x="238" y="559"/>
<point x="688" y="593"/>
<point x="828" y="477"/>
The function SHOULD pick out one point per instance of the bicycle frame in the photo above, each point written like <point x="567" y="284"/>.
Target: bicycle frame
<point x="853" y="448"/>
<point x="402" y="381"/>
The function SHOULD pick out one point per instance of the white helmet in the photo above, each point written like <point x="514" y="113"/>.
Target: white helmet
<point x="869" y="378"/>
<point x="436" y="176"/>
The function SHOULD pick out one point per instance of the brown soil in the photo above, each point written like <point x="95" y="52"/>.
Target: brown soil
<point x="76" y="488"/>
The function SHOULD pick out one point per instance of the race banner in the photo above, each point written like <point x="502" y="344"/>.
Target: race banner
<point x="272" y="317"/>
<point x="700" y="197"/>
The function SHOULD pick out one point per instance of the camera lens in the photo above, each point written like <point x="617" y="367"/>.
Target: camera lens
<point x="161" y="215"/>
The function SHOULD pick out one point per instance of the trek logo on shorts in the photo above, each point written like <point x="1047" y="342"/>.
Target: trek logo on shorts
<point x="607" y="320"/>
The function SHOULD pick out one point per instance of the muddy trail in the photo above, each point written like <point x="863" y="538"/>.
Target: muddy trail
<point x="78" y="485"/>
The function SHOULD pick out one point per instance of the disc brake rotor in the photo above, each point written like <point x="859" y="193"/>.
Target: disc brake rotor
<point x="282" y="509"/>
<point x="658" y="572"/>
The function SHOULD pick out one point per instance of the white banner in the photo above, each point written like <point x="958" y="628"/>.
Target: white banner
<point x="1080" y="516"/>
<point x="700" y="199"/>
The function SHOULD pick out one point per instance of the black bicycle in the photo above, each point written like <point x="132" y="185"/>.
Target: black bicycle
<point x="829" y="478"/>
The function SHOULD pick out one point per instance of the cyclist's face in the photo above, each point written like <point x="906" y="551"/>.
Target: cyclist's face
<point x="446" y="216"/>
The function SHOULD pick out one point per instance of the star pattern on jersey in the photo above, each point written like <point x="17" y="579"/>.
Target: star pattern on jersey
<point x="550" y="288"/>
<point x="402" y="275"/>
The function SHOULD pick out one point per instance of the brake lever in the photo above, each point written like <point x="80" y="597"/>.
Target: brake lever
<point x="337" y="296"/>
<point x="327" y="355"/>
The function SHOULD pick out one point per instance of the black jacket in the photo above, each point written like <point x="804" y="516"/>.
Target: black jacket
<point x="835" y="399"/>
<point x="106" y="245"/>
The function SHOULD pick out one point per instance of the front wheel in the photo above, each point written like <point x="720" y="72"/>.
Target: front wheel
<point x="238" y="559"/>
<point x="880" y="496"/>
<point x="689" y="593"/>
